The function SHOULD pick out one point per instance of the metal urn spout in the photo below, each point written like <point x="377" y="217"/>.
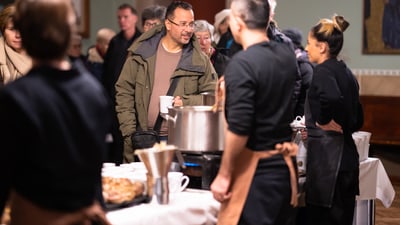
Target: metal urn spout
<point x="158" y="163"/>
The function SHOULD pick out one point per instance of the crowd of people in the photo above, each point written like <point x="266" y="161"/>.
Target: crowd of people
<point x="63" y="113"/>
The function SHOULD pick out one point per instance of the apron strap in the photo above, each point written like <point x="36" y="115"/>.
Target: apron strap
<point x="242" y="176"/>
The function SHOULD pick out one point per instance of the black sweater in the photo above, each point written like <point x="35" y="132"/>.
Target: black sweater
<point x="333" y="94"/>
<point x="52" y="135"/>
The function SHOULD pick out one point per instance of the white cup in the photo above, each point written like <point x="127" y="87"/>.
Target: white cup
<point x="177" y="182"/>
<point x="108" y="164"/>
<point x="165" y="102"/>
<point x="139" y="175"/>
<point x="138" y="166"/>
<point x="361" y="139"/>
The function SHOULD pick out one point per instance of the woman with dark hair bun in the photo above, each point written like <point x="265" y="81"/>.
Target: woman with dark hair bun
<point x="333" y="112"/>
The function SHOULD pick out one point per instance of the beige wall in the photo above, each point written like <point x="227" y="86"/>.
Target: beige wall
<point x="379" y="84"/>
<point x="305" y="13"/>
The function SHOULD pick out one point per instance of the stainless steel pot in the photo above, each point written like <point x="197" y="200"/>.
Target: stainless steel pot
<point x="195" y="128"/>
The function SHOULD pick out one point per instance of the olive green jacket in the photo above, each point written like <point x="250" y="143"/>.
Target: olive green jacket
<point x="135" y="84"/>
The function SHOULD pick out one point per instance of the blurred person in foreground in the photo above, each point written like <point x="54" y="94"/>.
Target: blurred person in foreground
<point x="53" y="126"/>
<point x="14" y="62"/>
<point x="152" y="16"/>
<point x="257" y="182"/>
<point x="203" y="31"/>
<point x="333" y="112"/>
<point x="159" y="56"/>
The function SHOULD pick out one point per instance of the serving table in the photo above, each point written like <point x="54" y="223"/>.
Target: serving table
<point x="195" y="207"/>
<point x="374" y="184"/>
<point x="190" y="207"/>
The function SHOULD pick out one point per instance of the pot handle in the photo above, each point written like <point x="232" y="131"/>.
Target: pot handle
<point x="181" y="161"/>
<point x="168" y="117"/>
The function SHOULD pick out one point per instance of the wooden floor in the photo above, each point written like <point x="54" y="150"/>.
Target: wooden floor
<point x="389" y="216"/>
<point x="390" y="157"/>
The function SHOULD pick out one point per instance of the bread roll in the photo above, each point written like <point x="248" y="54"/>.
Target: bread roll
<point x="120" y="190"/>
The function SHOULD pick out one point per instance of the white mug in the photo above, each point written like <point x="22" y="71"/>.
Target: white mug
<point x="138" y="166"/>
<point x="165" y="102"/>
<point x="108" y="164"/>
<point x="177" y="182"/>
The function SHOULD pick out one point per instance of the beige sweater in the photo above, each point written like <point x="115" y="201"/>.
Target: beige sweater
<point x="12" y="64"/>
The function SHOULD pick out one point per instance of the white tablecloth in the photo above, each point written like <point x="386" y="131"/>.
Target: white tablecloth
<point x="191" y="207"/>
<point x="375" y="183"/>
<point x="195" y="207"/>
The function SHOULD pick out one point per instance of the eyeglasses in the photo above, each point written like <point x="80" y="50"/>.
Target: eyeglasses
<point x="148" y="24"/>
<point x="183" y="25"/>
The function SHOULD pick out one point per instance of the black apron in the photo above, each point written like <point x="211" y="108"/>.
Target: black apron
<point x="324" y="154"/>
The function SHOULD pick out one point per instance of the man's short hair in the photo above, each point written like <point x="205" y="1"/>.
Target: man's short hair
<point x="254" y="13"/>
<point x="177" y="4"/>
<point x="128" y="6"/>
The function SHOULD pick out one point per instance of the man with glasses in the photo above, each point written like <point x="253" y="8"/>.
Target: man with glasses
<point x="158" y="57"/>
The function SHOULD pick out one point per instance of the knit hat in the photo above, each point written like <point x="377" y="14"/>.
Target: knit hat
<point x="220" y="16"/>
<point x="295" y="35"/>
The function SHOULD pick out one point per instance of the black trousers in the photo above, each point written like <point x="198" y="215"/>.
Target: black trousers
<point x="116" y="148"/>
<point x="268" y="201"/>
<point x="344" y="199"/>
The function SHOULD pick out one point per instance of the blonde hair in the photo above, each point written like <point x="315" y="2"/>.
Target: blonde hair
<point x="328" y="25"/>
<point x="331" y="32"/>
<point x="104" y="35"/>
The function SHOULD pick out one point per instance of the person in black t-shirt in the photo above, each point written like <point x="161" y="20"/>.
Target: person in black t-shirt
<point x="259" y="83"/>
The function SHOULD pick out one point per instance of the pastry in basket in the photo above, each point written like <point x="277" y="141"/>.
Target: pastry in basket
<point x="120" y="190"/>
